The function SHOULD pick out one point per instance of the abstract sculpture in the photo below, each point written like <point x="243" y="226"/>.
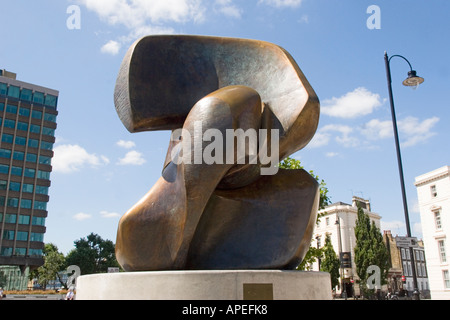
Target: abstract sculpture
<point x="238" y="210"/>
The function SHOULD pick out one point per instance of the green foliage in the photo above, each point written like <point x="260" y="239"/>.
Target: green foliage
<point x="93" y="254"/>
<point x="369" y="249"/>
<point x="313" y="253"/>
<point x="330" y="263"/>
<point x="311" y="256"/>
<point x="54" y="262"/>
<point x="3" y="279"/>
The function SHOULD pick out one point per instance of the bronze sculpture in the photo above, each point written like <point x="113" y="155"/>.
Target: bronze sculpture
<point x="223" y="214"/>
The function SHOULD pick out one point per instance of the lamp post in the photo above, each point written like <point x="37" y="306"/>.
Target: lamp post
<point x="341" y="269"/>
<point x="412" y="81"/>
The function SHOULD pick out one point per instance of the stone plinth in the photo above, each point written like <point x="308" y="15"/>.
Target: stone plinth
<point x="206" y="285"/>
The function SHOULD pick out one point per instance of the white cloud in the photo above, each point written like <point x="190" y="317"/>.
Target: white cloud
<point x="69" y="158"/>
<point x="376" y="129"/>
<point x="106" y="214"/>
<point x="132" y="158"/>
<point x="227" y="8"/>
<point x="331" y="154"/>
<point x="143" y="17"/>
<point x="134" y="13"/>
<point x="126" y="144"/>
<point x="112" y="47"/>
<point x="412" y="131"/>
<point x="282" y="3"/>
<point x="320" y="139"/>
<point x="344" y="137"/>
<point x="82" y="216"/>
<point x="353" y="104"/>
<point x="416" y="131"/>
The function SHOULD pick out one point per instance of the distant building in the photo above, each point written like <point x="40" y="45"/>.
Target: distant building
<point x="400" y="274"/>
<point x="338" y="222"/>
<point x="433" y="190"/>
<point x="27" y="133"/>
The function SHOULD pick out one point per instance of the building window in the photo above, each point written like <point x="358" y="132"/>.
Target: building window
<point x="27" y="188"/>
<point x="446" y="276"/>
<point x="14" y="186"/>
<point x="16" y="171"/>
<point x="4" y="168"/>
<point x="24" y="112"/>
<point x="31" y="157"/>
<point x="24" y="219"/>
<point x="45" y="160"/>
<point x="18" y="155"/>
<point x="38" y="221"/>
<point x="20" y="251"/>
<point x="3" y="88"/>
<point x="35" y="252"/>
<point x="22" y="236"/>
<point x="25" y="203"/>
<point x="6" y="252"/>
<point x="38" y="97"/>
<point x="46" y="145"/>
<point x="14" y="92"/>
<point x="40" y="205"/>
<point x="26" y="94"/>
<point x="10" y="218"/>
<point x="21" y="140"/>
<point x="437" y="220"/>
<point x="34" y="128"/>
<point x="8" y="235"/>
<point x="8" y="123"/>
<point x="11" y="108"/>
<point x="50" y="100"/>
<point x="48" y="131"/>
<point x="37" y="237"/>
<point x="42" y="190"/>
<point x="43" y="175"/>
<point x="442" y="254"/>
<point x="433" y="191"/>
<point x="36" y="114"/>
<point x="50" y="117"/>
<point x="22" y="126"/>
<point x="8" y="138"/>
<point x="30" y="173"/>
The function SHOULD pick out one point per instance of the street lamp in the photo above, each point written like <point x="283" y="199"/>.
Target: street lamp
<point x="341" y="269"/>
<point x="412" y="81"/>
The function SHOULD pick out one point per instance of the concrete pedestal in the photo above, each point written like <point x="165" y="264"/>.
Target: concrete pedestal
<point x="206" y="285"/>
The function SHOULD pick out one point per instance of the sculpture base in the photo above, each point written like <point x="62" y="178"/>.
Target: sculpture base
<point x="206" y="285"/>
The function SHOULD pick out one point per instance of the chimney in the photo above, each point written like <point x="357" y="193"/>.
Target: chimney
<point x="8" y="74"/>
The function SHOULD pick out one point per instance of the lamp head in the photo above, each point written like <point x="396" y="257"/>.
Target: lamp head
<point x="413" y="80"/>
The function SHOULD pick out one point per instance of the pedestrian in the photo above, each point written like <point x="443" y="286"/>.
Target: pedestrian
<point x="70" y="294"/>
<point x="1" y="293"/>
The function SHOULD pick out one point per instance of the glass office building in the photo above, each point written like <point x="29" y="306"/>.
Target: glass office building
<point x="27" y="133"/>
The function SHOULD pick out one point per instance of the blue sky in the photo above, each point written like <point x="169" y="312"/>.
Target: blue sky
<point x="101" y="170"/>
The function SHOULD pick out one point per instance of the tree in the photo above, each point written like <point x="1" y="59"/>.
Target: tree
<point x="330" y="263"/>
<point x="313" y="253"/>
<point x="370" y="250"/>
<point x="93" y="254"/>
<point x="3" y="280"/>
<point x="54" y="262"/>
